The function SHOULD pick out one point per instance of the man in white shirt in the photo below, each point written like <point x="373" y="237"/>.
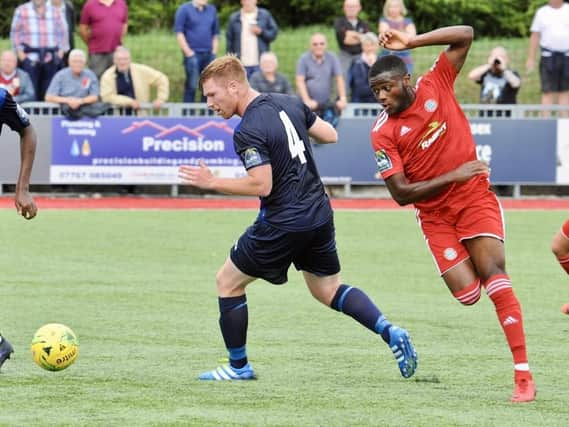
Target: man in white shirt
<point x="550" y="31"/>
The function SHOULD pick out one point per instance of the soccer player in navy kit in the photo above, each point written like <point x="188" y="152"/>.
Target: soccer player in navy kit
<point x="295" y="222"/>
<point x="17" y="119"/>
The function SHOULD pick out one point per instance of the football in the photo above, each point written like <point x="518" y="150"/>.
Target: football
<point x="54" y="347"/>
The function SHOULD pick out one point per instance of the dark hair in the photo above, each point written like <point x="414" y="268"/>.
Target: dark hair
<point x="388" y="63"/>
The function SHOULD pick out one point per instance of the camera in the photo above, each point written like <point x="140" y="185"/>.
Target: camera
<point x="497" y="61"/>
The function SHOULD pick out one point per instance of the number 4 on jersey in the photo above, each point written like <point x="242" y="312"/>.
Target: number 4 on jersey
<point x="295" y="144"/>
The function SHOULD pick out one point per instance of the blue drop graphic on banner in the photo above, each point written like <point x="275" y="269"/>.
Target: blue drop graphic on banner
<point x="75" y="148"/>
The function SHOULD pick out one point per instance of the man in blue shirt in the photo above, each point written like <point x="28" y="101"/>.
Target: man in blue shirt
<point x="295" y="223"/>
<point x="197" y="32"/>
<point x="17" y="119"/>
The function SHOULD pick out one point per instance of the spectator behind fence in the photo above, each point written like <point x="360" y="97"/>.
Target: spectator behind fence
<point x="102" y="26"/>
<point x="128" y="84"/>
<point x="268" y="79"/>
<point x="358" y="73"/>
<point x="197" y="32"/>
<point x="499" y="84"/>
<point x="67" y="11"/>
<point x="316" y="72"/>
<point x="394" y="12"/>
<point x="38" y="36"/>
<point x="249" y="34"/>
<point x="76" y="89"/>
<point x="550" y="31"/>
<point x="15" y="80"/>
<point x="349" y="29"/>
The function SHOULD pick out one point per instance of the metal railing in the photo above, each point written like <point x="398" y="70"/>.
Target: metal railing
<point x="353" y="110"/>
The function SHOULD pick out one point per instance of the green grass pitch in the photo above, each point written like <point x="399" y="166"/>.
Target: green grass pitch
<point x="138" y="289"/>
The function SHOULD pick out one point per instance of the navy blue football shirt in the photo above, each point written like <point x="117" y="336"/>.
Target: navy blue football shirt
<point x="11" y="113"/>
<point x="274" y="130"/>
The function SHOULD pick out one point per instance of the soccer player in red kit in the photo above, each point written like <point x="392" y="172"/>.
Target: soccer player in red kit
<point x="560" y="246"/>
<point x="426" y="155"/>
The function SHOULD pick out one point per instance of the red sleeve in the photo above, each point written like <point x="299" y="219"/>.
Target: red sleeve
<point x="386" y="154"/>
<point x="443" y="72"/>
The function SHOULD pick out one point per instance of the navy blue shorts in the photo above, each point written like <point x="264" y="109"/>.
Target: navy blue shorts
<point x="266" y="252"/>
<point x="554" y="71"/>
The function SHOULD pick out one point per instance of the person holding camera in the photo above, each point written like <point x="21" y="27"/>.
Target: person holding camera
<point x="499" y="84"/>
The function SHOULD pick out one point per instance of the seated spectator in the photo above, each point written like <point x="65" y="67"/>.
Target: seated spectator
<point x="128" y="84"/>
<point x="358" y="73"/>
<point x="267" y="79"/>
<point x="15" y="80"/>
<point x="316" y="72"/>
<point x="498" y="83"/>
<point x="76" y="88"/>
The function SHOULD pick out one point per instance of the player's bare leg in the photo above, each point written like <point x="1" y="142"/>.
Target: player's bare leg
<point x="560" y="246"/>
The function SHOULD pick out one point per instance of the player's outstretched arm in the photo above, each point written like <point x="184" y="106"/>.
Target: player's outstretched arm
<point x="257" y="182"/>
<point x="404" y="192"/>
<point x="323" y="132"/>
<point x="25" y="204"/>
<point x="459" y="38"/>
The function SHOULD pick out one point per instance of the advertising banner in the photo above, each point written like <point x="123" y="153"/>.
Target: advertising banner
<point x="518" y="151"/>
<point x="563" y="151"/>
<point x="112" y="150"/>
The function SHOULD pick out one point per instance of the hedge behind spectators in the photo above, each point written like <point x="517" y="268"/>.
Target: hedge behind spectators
<point x="503" y="18"/>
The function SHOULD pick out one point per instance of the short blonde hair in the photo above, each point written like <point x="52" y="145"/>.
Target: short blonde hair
<point x="401" y="5"/>
<point x="227" y="67"/>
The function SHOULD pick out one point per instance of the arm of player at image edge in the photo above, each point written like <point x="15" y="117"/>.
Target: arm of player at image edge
<point x="458" y="37"/>
<point x="257" y="182"/>
<point x="323" y="132"/>
<point x="405" y="192"/>
<point x="24" y="202"/>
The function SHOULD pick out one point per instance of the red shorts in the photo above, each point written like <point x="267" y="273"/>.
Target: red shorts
<point x="445" y="229"/>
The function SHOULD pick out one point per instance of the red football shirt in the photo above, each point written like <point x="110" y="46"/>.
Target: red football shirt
<point x="429" y="138"/>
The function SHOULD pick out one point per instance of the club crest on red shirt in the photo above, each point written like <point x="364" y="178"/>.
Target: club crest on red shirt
<point x="430" y="105"/>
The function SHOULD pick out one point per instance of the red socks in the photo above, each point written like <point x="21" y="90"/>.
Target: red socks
<point x="564" y="262"/>
<point x="499" y="289"/>
<point x="469" y="295"/>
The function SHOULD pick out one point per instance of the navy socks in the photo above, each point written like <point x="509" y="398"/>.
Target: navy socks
<point x="356" y="304"/>
<point x="233" y="321"/>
